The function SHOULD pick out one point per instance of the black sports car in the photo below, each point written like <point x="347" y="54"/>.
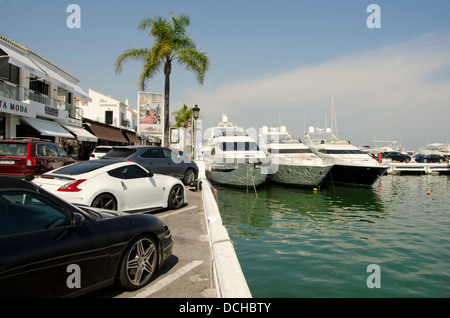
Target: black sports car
<point x="51" y="248"/>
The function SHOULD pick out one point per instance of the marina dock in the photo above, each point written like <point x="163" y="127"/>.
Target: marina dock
<point x="419" y="168"/>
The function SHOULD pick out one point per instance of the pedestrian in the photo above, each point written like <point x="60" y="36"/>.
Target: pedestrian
<point x="80" y="152"/>
<point x="86" y="152"/>
<point x="70" y="150"/>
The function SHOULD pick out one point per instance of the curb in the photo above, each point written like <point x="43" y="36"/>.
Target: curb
<point x="227" y="272"/>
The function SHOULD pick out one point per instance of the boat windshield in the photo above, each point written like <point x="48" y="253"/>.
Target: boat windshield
<point x="281" y="151"/>
<point x="341" y="151"/>
<point x="239" y="146"/>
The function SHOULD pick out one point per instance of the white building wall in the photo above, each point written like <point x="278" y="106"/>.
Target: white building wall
<point x="101" y="103"/>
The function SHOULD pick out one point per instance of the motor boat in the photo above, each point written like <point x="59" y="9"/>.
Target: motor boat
<point x="233" y="158"/>
<point x="292" y="162"/>
<point x="351" y="166"/>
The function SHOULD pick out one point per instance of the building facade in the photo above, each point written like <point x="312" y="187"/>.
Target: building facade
<point x="37" y="98"/>
<point x="111" y="120"/>
<point x="103" y="114"/>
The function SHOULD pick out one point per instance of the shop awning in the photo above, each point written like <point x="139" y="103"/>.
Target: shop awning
<point x="81" y="133"/>
<point x="131" y="136"/>
<point x="22" y="61"/>
<point x="47" y="128"/>
<point x="106" y="132"/>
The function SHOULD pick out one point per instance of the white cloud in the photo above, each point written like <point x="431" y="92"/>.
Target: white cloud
<point x="398" y="92"/>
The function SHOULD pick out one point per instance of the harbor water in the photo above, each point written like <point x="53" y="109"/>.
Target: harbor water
<point x="294" y="242"/>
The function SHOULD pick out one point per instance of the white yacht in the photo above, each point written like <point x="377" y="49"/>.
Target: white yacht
<point x="233" y="158"/>
<point x="351" y="166"/>
<point x="292" y="162"/>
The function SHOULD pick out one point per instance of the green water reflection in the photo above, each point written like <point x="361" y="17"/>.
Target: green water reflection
<point x="294" y="242"/>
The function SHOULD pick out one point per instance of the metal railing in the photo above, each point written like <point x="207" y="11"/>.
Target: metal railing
<point x="13" y="92"/>
<point x="9" y="91"/>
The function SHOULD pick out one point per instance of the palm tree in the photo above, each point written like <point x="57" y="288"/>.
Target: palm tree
<point x="182" y="116"/>
<point x="172" y="43"/>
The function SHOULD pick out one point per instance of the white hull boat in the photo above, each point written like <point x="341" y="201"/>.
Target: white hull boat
<point x="292" y="162"/>
<point x="233" y="158"/>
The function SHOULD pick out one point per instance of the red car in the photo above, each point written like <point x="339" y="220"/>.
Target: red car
<point x="27" y="157"/>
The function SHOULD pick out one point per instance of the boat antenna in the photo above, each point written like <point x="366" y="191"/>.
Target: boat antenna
<point x="334" y="129"/>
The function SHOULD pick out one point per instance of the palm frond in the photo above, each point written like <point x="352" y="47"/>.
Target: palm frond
<point x="151" y="68"/>
<point x="195" y="61"/>
<point x="130" y="55"/>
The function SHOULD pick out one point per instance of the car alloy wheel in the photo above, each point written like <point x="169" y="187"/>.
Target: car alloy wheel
<point x="139" y="263"/>
<point x="189" y="177"/>
<point x="176" y="197"/>
<point x="105" y="201"/>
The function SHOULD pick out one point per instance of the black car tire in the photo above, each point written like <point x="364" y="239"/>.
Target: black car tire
<point x="189" y="177"/>
<point x="176" y="197"/>
<point x="105" y="201"/>
<point x="138" y="263"/>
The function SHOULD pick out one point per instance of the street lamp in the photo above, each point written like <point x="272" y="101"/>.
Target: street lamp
<point x="195" y="113"/>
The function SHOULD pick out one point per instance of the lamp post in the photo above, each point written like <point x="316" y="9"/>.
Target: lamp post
<point x="195" y="113"/>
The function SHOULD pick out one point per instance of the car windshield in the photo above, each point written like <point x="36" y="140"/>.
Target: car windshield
<point x="13" y="149"/>
<point x="82" y="167"/>
<point x="102" y="149"/>
<point x="120" y="153"/>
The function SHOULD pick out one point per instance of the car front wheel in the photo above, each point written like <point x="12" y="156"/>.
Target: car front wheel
<point x="176" y="197"/>
<point x="139" y="263"/>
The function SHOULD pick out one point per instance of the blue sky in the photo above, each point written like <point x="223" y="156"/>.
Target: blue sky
<point x="271" y="61"/>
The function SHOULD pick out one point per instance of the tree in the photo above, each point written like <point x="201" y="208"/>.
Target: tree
<point x="172" y="43"/>
<point x="182" y="116"/>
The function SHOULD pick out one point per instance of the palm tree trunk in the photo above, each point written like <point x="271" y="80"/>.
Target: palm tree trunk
<point x="166" y="110"/>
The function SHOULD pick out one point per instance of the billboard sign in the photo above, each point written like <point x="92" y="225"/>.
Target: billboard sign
<point x="151" y="112"/>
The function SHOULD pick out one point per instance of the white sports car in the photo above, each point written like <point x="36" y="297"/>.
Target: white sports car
<point x="117" y="185"/>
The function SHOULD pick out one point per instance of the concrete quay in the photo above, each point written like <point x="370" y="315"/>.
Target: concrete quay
<point x="203" y="264"/>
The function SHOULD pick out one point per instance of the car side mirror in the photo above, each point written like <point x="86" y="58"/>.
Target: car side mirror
<point x="150" y="174"/>
<point x="78" y="219"/>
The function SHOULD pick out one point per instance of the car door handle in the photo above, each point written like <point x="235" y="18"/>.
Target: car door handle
<point x="123" y="185"/>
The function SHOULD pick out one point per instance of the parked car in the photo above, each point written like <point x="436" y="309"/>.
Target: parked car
<point x="99" y="152"/>
<point x="396" y="156"/>
<point x="27" y="157"/>
<point x="51" y="248"/>
<point x="158" y="160"/>
<point x="430" y="158"/>
<point x="117" y="185"/>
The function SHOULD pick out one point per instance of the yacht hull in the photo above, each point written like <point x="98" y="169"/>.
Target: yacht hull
<point x="354" y="176"/>
<point x="236" y="174"/>
<point x="300" y="175"/>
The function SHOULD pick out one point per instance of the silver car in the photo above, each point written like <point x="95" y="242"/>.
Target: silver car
<point x="160" y="160"/>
